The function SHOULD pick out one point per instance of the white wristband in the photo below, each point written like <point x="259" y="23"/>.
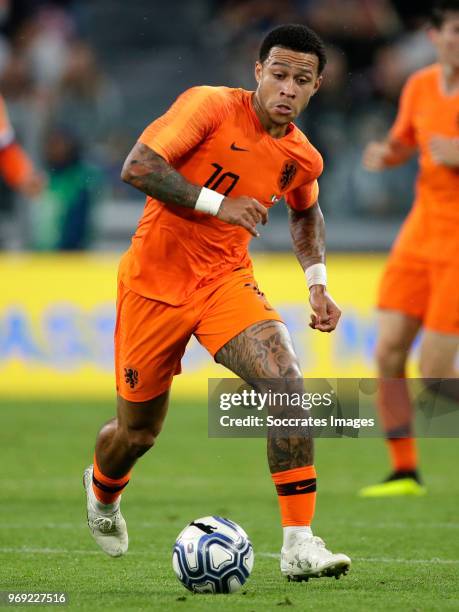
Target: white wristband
<point x="209" y="201"/>
<point x="316" y="275"/>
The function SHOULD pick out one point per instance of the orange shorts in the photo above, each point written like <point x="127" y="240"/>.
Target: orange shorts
<point x="428" y="291"/>
<point x="151" y="336"/>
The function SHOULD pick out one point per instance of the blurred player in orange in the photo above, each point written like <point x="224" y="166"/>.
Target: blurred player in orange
<point x="16" y="168"/>
<point x="211" y="167"/>
<point x="420" y="286"/>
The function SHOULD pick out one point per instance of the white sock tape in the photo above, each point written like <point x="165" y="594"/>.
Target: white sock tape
<point x="209" y="201"/>
<point x="316" y="275"/>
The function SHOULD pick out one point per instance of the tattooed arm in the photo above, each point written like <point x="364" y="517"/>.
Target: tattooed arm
<point x="154" y="176"/>
<point x="150" y="173"/>
<point x="307" y="228"/>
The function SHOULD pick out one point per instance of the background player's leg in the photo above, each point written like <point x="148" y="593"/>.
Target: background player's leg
<point x="438" y="360"/>
<point x="265" y="351"/>
<point x="396" y="333"/>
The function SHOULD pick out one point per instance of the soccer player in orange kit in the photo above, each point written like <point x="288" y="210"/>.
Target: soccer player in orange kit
<point x="15" y="167"/>
<point x="211" y="167"/>
<point x="420" y="286"/>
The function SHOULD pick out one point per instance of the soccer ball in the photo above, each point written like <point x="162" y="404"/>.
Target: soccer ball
<point x="212" y="555"/>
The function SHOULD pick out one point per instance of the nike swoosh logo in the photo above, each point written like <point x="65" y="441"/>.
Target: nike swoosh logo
<point x="235" y="148"/>
<point x="298" y="488"/>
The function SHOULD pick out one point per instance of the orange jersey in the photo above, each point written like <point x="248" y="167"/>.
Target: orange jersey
<point x="432" y="228"/>
<point x="15" y="166"/>
<point x="213" y="137"/>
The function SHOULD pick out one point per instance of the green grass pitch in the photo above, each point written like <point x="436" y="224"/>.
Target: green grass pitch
<point x="404" y="551"/>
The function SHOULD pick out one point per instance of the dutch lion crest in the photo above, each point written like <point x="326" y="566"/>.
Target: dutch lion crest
<point x="287" y="174"/>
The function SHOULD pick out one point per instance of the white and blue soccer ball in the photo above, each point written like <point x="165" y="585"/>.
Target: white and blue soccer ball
<point x="212" y="555"/>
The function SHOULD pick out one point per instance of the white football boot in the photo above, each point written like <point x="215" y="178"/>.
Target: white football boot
<point x="105" y="521"/>
<point x="307" y="558"/>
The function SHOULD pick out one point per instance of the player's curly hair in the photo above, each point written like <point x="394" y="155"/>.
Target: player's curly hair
<point x="297" y="38"/>
<point x="440" y="10"/>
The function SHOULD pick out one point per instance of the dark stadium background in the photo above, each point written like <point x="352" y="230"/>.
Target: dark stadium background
<point x="81" y="80"/>
<point x="103" y="70"/>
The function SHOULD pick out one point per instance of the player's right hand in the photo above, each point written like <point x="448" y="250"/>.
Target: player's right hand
<point x="375" y="156"/>
<point x="243" y="211"/>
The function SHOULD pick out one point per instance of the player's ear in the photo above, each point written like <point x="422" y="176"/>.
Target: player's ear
<point x="432" y="34"/>
<point x="258" y="71"/>
<point x="317" y="84"/>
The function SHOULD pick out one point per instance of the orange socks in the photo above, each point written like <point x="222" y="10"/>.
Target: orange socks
<point x="396" y="413"/>
<point x="296" y="491"/>
<point x="403" y="454"/>
<point x="107" y="490"/>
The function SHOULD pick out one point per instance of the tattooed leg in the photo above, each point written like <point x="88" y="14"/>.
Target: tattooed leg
<point x="265" y="351"/>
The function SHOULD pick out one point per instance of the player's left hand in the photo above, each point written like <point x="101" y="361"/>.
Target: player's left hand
<point x="326" y="314"/>
<point x="445" y="150"/>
